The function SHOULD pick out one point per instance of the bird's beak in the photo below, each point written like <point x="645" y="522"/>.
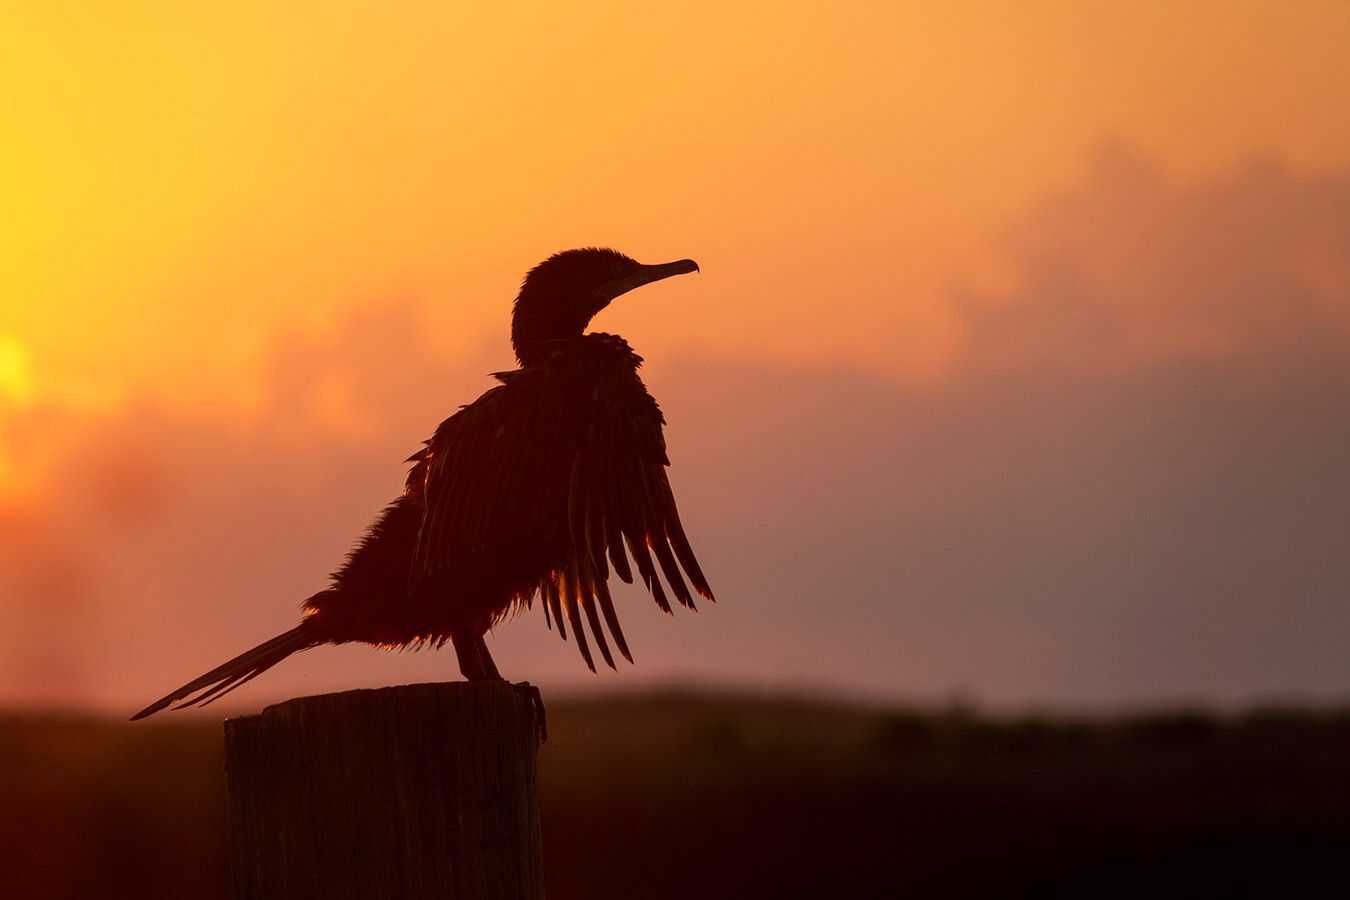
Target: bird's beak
<point x="646" y="275"/>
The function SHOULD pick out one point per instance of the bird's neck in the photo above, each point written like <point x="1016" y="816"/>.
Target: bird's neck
<point x="538" y="323"/>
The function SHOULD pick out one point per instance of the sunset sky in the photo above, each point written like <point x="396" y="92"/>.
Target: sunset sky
<point x="1017" y="367"/>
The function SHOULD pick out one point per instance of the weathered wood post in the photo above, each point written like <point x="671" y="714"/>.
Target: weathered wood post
<point x="420" y="791"/>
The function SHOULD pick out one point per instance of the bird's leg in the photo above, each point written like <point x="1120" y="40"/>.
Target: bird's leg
<point x="486" y="666"/>
<point x="475" y="663"/>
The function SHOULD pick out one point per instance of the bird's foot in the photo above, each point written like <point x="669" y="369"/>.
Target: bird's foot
<point x="536" y="699"/>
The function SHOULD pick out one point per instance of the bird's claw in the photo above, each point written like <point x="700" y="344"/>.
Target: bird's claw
<point x="536" y="699"/>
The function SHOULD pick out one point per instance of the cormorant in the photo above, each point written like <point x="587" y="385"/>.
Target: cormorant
<point x="525" y="492"/>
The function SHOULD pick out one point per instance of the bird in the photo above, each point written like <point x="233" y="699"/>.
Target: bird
<point x="535" y="492"/>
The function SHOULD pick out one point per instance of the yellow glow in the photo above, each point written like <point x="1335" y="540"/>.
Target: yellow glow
<point x="16" y="373"/>
<point x="16" y="391"/>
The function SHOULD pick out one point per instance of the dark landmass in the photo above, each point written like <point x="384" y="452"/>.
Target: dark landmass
<point x="679" y="795"/>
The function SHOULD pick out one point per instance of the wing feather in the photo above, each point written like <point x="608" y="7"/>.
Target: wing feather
<point x="612" y="618"/>
<point x="563" y="463"/>
<point x="574" y="616"/>
<point x="585" y="592"/>
<point x="554" y="602"/>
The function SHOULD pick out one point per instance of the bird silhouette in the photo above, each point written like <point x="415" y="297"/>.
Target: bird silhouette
<point x="533" y="491"/>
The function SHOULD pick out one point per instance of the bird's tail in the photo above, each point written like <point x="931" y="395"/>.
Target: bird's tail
<point x="225" y="678"/>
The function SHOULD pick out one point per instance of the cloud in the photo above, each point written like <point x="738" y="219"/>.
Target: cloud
<point x="1130" y="267"/>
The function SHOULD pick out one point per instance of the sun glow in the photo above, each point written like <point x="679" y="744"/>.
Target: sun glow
<point x="16" y="372"/>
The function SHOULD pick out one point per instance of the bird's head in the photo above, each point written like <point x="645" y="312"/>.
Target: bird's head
<point x="560" y="295"/>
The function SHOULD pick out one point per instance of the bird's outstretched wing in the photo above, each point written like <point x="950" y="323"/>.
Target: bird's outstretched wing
<point x="565" y="459"/>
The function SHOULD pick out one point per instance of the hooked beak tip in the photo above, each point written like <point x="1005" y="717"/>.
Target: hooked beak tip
<point x="681" y="267"/>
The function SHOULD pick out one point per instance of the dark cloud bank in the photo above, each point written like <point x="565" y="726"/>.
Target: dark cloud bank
<point x="1133" y="487"/>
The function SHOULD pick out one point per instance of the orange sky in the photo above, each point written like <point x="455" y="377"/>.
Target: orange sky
<point x="179" y="182"/>
<point x="187" y="188"/>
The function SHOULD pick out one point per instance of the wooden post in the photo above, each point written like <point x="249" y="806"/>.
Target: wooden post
<point x="420" y="791"/>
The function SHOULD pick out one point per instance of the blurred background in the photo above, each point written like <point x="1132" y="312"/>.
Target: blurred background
<point x="1014" y="389"/>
